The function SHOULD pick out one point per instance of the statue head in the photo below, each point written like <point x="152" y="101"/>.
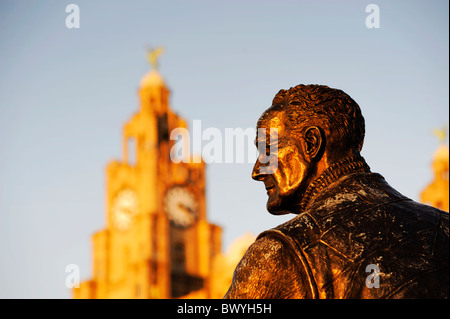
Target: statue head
<point x="315" y="127"/>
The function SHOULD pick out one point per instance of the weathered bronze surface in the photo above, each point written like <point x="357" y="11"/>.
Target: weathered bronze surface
<point x="349" y="220"/>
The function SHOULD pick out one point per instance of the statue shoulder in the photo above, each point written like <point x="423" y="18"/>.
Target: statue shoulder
<point x="268" y="270"/>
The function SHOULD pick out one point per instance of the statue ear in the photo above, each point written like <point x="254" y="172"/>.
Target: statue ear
<point x="313" y="142"/>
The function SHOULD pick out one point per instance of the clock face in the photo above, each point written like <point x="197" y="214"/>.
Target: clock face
<point x="124" y="207"/>
<point x="181" y="206"/>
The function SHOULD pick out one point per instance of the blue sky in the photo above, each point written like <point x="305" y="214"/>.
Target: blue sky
<point x="65" y="94"/>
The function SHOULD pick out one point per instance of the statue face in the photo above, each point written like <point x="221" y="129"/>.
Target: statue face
<point x="286" y="178"/>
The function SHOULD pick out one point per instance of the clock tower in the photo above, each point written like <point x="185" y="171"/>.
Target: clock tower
<point x="157" y="242"/>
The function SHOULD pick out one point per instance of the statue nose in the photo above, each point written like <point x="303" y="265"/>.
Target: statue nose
<point x="257" y="174"/>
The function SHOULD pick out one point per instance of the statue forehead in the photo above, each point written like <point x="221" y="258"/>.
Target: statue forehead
<point x="269" y="120"/>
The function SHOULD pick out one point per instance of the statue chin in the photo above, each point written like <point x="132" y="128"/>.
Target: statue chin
<point x="283" y="205"/>
<point x="280" y="212"/>
<point x="276" y="210"/>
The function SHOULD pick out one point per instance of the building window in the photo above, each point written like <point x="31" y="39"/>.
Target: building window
<point x="178" y="257"/>
<point x="132" y="151"/>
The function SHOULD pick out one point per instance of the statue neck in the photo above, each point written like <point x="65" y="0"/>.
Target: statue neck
<point x="349" y="165"/>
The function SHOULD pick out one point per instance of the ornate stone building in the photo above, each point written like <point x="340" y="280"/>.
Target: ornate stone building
<point x="436" y="193"/>
<point x="157" y="242"/>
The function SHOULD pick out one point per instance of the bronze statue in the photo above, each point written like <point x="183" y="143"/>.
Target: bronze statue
<point x="354" y="236"/>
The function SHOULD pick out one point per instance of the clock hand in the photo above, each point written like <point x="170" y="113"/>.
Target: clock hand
<point x="188" y="216"/>
<point x="186" y="208"/>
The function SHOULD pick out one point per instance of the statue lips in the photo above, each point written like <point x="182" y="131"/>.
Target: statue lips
<point x="268" y="185"/>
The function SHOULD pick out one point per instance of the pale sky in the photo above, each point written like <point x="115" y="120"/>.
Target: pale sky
<point x="65" y="94"/>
